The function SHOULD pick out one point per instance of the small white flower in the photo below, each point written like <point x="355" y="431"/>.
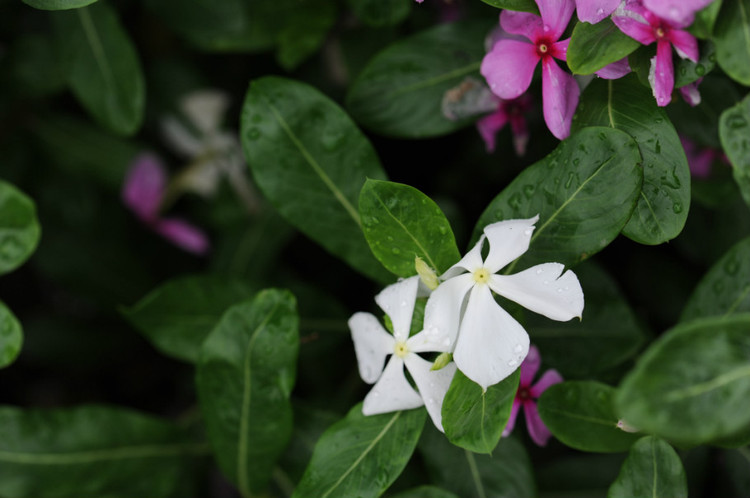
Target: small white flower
<point x="491" y="344"/>
<point x="372" y="344"/>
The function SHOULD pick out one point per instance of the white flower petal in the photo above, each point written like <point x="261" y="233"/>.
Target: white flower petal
<point x="542" y="290"/>
<point x="442" y="313"/>
<point x="179" y="137"/>
<point x="392" y="392"/>
<point x="432" y="385"/>
<point x="371" y="345"/>
<point x="397" y="300"/>
<point x="430" y="343"/>
<point x="508" y="240"/>
<point x="470" y="262"/>
<point x="205" y="109"/>
<point x="491" y="344"/>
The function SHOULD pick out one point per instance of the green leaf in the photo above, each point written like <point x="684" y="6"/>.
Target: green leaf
<point x="245" y="374"/>
<point x="732" y="38"/>
<point x="705" y="19"/>
<point x="361" y="455"/>
<point x="19" y="227"/>
<point x="101" y="66"/>
<point x="734" y="130"/>
<point x="725" y="289"/>
<point x="400" y="91"/>
<point x="581" y="415"/>
<point x="607" y="335"/>
<point x="400" y="222"/>
<point x="33" y="67"/>
<point x="379" y="13"/>
<point x="685" y="70"/>
<point x="11" y="336"/>
<point x="653" y="468"/>
<point x="664" y="200"/>
<point x="593" y="46"/>
<point x="473" y="419"/>
<point x="506" y="473"/>
<point x="693" y="384"/>
<point x="517" y="5"/>
<point x="177" y="316"/>
<point x="583" y="191"/>
<point x="304" y="32"/>
<point x="58" y="4"/>
<point x="311" y="161"/>
<point x="426" y="492"/>
<point x="89" y="451"/>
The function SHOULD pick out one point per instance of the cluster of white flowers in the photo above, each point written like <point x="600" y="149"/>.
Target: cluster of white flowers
<point x="463" y="318"/>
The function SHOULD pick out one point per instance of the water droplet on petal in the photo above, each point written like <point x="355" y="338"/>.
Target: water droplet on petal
<point x="546" y="282"/>
<point x="539" y="271"/>
<point x="512" y="363"/>
<point x="447" y="341"/>
<point x="518" y="348"/>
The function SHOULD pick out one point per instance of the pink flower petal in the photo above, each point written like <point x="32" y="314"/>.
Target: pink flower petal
<point x="521" y="23"/>
<point x="691" y="94"/>
<point x="677" y="12"/>
<point x="513" y="415"/>
<point x="614" y="71"/>
<point x="661" y="74"/>
<point x="537" y="430"/>
<point x="685" y="44"/>
<point x="556" y="15"/>
<point x="144" y="185"/>
<point x="560" y="94"/>
<point x="520" y="133"/>
<point x="593" y="11"/>
<point x="550" y="377"/>
<point x="699" y="161"/>
<point x="183" y="234"/>
<point x="509" y="67"/>
<point x="641" y="32"/>
<point x="530" y="367"/>
<point x="560" y="50"/>
<point x="489" y="125"/>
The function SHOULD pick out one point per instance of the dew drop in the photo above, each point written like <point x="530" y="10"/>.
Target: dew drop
<point x="700" y="70"/>
<point x="559" y="290"/>
<point x="518" y="348"/>
<point x="512" y="363"/>
<point x="546" y="282"/>
<point x="539" y="271"/>
<point x="527" y="232"/>
<point x="253" y="133"/>
<point x="447" y="341"/>
<point x="396" y="250"/>
<point x="677" y="207"/>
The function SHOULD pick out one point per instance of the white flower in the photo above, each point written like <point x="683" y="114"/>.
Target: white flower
<point x="372" y="344"/>
<point x="491" y="344"/>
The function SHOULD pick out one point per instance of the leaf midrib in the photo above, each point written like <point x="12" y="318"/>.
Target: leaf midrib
<point x="707" y="386"/>
<point x="314" y="165"/>
<point x="94" y="456"/>
<point x="460" y="71"/>
<point x="96" y="46"/>
<point x="369" y="448"/>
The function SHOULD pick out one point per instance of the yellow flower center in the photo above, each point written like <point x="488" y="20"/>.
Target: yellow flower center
<point x="482" y="276"/>
<point x="400" y="349"/>
<point x="542" y="48"/>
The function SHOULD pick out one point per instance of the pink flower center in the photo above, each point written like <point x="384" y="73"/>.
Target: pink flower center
<point x="542" y="48"/>
<point x="524" y="394"/>
<point x="659" y="32"/>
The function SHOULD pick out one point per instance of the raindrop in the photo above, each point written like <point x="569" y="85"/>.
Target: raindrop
<point x="527" y="232"/>
<point x="253" y="133"/>
<point x="515" y="201"/>
<point x="528" y="190"/>
<point x="731" y="266"/>
<point x="569" y="181"/>
<point x="700" y="70"/>
<point x="403" y="303"/>
<point x="559" y="290"/>
<point x="518" y="348"/>
<point x="447" y="341"/>
<point x="546" y="282"/>
<point x="512" y="363"/>
<point x="677" y="207"/>
<point x="539" y="271"/>
<point x="599" y="11"/>
<point x="431" y="401"/>
<point x="396" y="250"/>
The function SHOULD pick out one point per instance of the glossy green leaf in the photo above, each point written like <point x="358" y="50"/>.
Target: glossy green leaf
<point x="732" y="38"/>
<point x="11" y="336"/>
<point x="608" y="334"/>
<point x="245" y="374"/>
<point x="311" y="161"/>
<point x="505" y="473"/>
<point x="517" y="5"/>
<point x="361" y="455"/>
<point x="89" y="451"/>
<point x="378" y="13"/>
<point x="58" y="4"/>
<point x="653" y="468"/>
<point x="705" y="19"/>
<point x="473" y="419"/>
<point x="400" y="222"/>
<point x="177" y="316"/>
<point x="101" y="66"/>
<point x="400" y="91"/>
<point x="584" y="192"/>
<point x="593" y="46"/>
<point x="426" y="492"/>
<point x="693" y="384"/>
<point x="19" y="227"/>
<point x="734" y="132"/>
<point x="725" y="288"/>
<point x="664" y="200"/>
<point x="581" y="415"/>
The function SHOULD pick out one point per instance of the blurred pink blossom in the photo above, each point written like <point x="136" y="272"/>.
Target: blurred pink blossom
<point x="508" y="111"/>
<point x="143" y="191"/>
<point x="701" y="159"/>
<point x="593" y="11"/>
<point x="527" y="395"/>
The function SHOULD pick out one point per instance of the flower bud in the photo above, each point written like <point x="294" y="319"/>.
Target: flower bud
<point x="426" y="274"/>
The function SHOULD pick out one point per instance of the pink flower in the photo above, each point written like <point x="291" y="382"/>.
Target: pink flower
<point x="615" y="70"/>
<point x="510" y="65"/>
<point x="508" y="111"/>
<point x="641" y="24"/>
<point x="143" y="192"/>
<point x="527" y="395"/>
<point x="679" y="12"/>
<point x="593" y="11"/>
<point x="701" y="159"/>
<point x="691" y="94"/>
